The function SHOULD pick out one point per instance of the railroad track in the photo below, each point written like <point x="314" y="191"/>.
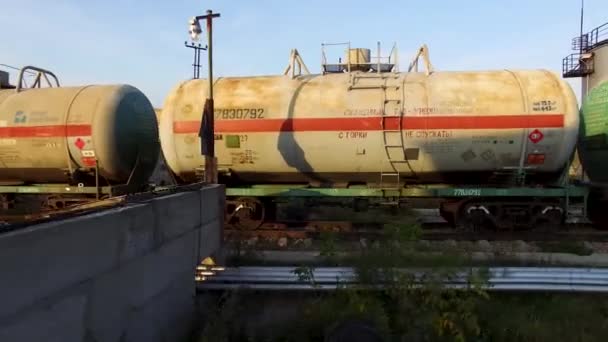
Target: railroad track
<point x="433" y="231"/>
<point x="543" y="279"/>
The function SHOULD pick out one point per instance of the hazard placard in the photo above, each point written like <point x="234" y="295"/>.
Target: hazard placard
<point x="536" y="136"/>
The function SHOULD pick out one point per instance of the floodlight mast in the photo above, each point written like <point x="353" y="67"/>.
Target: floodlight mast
<point x="206" y="130"/>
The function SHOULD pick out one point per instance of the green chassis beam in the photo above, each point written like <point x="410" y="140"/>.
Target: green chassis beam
<point x="53" y="189"/>
<point x="294" y="191"/>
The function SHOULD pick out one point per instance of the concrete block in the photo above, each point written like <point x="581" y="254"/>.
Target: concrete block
<point x="171" y="260"/>
<point x="212" y="202"/>
<point x="109" y="304"/>
<point x="210" y="238"/>
<point x="177" y="214"/>
<point x="61" y="321"/>
<point x="135" y="263"/>
<point x="169" y="316"/>
<point x="116" y="294"/>
<point x="45" y="258"/>
<point x="140" y="235"/>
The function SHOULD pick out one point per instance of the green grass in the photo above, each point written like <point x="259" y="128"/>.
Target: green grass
<point x="544" y="317"/>
<point x="571" y="247"/>
<point x="423" y="316"/>
<point x="401" y="312"/>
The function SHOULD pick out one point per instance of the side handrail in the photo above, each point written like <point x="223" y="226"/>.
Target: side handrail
<point x="423" y="52"/>
<point x="37" y="82"/>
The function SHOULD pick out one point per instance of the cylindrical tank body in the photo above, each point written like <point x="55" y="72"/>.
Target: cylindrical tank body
<point x="341" y="128"/>
<point x="52" y="134"/>
<point x="593" y="138"/>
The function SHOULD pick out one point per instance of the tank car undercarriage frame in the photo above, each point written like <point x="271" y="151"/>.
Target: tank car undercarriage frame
<point x="32" y="198"/>
<point x="467" y="208"/>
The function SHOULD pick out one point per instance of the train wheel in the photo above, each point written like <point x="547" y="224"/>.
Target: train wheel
<point x="474" y="217"/>
<point x="53" y="202"/>
<point x="6" y="202"/>
<point x="551" y="218"/>
<point x="247" y="213"/>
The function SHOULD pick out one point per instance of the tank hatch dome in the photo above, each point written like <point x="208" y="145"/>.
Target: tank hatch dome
<point x="359" y="59"/>
<point x="4" y="82"/>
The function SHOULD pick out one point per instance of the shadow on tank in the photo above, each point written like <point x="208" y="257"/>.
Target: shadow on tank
<point x="291" y="151"/>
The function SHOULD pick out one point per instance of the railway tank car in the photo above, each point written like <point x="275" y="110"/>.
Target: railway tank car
<point x="94" y="136"/>
<point x="590" y="63"/>
<point x="593" y="139"/>
<point x="362" y="123"/>
<point x="377" y="128"/>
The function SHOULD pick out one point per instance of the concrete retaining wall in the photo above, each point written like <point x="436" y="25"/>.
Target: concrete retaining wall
<point x="124" y="274"/>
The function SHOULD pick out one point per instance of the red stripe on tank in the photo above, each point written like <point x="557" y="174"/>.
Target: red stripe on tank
<point x="55" y="131"/>
<point x="375" y="123"/>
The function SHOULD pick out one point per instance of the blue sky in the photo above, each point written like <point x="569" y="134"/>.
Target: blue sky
<point x="141" y="42"/>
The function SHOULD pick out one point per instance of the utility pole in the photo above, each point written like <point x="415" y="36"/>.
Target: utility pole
<point x="206" y="131"/>
<point x="196" y="65"/>
<point x="582" y="18"/>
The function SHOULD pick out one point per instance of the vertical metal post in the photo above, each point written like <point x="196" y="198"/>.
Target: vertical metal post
<point x="396" y="59"/>
<point x="207" y="130"/>
<point x="348" y="54"/>
<point x="96" y="179"/>
<point x="581" y="37"/>
<point x="378" y="57"/>
<point x="209" y="18"/>
<point x="323" y="58"/>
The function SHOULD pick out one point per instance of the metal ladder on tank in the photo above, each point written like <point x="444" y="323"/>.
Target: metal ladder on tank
<point x="392" y="138"/>
<point x="394" y="144"/>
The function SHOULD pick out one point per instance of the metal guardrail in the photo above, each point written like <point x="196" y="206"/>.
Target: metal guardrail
<point x="539" y="279"/>
<point x="575" y="65"/>
<point x="591" y="39"/>
<point x="580" y="64"/>
<point x="597" y="36"/>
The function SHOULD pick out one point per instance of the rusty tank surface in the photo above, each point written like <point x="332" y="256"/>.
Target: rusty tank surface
<point x="363" y="122"/>
<point x="63" y="134"/>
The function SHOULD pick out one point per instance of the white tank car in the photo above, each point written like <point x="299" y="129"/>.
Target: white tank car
<point x="59" y="134"/>
<point x="374" y="127"/>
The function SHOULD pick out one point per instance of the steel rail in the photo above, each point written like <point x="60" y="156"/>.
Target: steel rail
<point x="543" y="279"/>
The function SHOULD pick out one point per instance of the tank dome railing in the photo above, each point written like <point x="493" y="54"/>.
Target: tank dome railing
<point x="422" y="52"/>
<point x="38" y="78"/>
<point x="296" y="65"/>
<point x="4" y="76"/>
